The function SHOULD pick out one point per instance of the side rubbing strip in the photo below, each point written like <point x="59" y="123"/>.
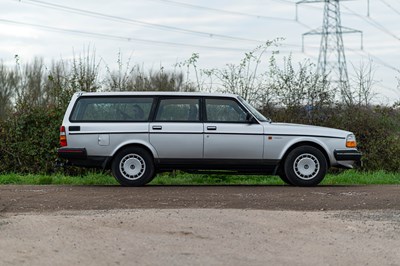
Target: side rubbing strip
<point x="74" y="128"/>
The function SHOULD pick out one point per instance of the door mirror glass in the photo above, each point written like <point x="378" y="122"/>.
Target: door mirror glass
<point x="250" y="118"/>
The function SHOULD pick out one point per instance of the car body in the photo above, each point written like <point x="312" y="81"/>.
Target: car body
<point x="139" y="134"/>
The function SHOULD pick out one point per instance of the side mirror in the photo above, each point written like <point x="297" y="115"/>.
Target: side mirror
<point x="250" y="119"/>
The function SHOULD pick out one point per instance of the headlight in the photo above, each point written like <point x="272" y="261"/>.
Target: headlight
<point x="351" y="141"/>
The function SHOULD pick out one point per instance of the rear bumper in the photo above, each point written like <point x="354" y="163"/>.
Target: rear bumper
<point x="78" y="157"/>
<point x="72" y="153"/>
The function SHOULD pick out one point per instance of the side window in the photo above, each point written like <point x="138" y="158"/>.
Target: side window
<point x="112" y="109"/>
<point x="224" y="110"/>
<point x="183" y="109"/>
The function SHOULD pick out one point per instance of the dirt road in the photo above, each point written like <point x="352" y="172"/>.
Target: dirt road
<point x="56" y="198"/>
<point x="199" y="225"/>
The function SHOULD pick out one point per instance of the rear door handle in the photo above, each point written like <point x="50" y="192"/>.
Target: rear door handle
<point x="211" y="128"/>
<point x="157" y="127"/>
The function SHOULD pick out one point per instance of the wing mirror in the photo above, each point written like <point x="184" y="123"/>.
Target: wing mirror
<point x="250" y="119"/>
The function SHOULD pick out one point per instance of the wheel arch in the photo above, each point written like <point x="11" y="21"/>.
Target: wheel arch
<point x="150" y="150"/>
<point x="304" y="143"/>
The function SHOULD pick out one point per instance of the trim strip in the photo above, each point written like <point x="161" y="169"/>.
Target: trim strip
<point x="110" y="133"/>
<point x="215" y="161"/>
<point x="206" y="132"/>
<point x="299" y="135"/>
<point x="177" y="133"/>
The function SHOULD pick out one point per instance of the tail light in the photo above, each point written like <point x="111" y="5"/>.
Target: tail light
<point x="63" y="137"/>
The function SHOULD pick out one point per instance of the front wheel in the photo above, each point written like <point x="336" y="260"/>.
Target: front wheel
<point x="305" y="166"/>
<point x="133" y="166"/>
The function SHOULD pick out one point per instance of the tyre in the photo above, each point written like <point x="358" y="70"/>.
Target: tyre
<point x="305" y="166"/>
<point x="283" y="177"/>
<point x="133" y="166"/>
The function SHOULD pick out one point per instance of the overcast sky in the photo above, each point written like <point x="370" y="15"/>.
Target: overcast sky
<point x="163" y="32"/>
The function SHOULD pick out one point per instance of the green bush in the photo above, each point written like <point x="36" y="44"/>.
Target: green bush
<point x="29" y="139"/>
<point x="30" y="135"/>
<point x="29" y="129"/>
<point x="377" y="129"/>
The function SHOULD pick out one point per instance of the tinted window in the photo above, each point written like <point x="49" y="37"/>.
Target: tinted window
<point x="97" y="109"/>
<point x="186" y="109"/>
<point x="224" y="110"/>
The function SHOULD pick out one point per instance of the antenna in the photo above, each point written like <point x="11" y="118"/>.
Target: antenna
<point x="332" y="60"/>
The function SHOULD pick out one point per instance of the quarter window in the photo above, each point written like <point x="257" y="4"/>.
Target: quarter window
<point x="119" y="109"/>
<point x="224" y="110"/>
<point x="185" y="109"/>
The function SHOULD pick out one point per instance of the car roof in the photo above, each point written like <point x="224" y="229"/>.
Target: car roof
<point x="155" y="93"/>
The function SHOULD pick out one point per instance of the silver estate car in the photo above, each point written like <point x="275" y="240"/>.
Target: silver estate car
<point x="140" y="134"/>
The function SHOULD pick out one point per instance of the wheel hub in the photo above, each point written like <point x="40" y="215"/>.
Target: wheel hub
<point x="132" y="166"/>
<point x="306" y="166"/>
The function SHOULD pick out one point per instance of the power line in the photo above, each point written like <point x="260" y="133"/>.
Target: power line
<point x="374" y="23"/>
<point x="129" y="39"/>
<point x="383" y="63"/>
<point x="307" y="6"/>
<point x="231" y="12"/>
<point x="362" y="53"/>
<point x="377" y="59"/>
<point x="116" y="37"/>
<point x="222" y="10"/>
<point x="133" y="21"/>
<point x="284" y="1"/>
<point x="390" y="6"/>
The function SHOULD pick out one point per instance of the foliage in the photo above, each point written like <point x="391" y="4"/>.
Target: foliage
<point x="377" y="129"/>
<point x="247" y="79"/>
<point x="29" y="139"/>
<point x="8" y="82"/>
<point x="133" y="78"/>
<point x="33" y="99"/>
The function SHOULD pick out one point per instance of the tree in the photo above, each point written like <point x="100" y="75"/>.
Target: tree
<point x="299" y="86"/>
<point x="8" y="81"/>
<point x="364" y="82"/>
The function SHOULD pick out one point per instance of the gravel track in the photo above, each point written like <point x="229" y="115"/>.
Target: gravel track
<point x="199" y="225"/>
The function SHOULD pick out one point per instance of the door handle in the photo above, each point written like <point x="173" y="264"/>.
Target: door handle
<point x="211" y="128"/>
<point x="157" y="127"/>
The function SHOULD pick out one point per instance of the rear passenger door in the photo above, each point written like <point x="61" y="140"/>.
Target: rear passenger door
<point x="177" y="131"/>
<point x="228" y="134"/>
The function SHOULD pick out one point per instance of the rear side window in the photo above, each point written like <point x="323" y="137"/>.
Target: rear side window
<point x="178" y="110"/>
<point x="112" y="109"/>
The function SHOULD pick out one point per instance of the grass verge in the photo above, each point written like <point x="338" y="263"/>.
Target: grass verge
<point x="345" y="178"/>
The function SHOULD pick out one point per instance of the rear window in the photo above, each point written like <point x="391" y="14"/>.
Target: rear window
<point x="112" y="109"/>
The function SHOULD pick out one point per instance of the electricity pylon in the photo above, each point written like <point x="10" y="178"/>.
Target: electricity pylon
<point x="332" y="59"/>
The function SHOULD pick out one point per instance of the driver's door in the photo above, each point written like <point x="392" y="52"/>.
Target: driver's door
<point x="228" y="133"/>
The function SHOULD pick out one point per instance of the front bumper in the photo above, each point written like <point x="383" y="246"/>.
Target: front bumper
<point x="347" y="155"/>
<point x="348" y="158"/>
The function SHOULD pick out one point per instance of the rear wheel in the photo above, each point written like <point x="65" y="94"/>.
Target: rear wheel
<point x="305" y="166"/>
<point x="133" y="166"/>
